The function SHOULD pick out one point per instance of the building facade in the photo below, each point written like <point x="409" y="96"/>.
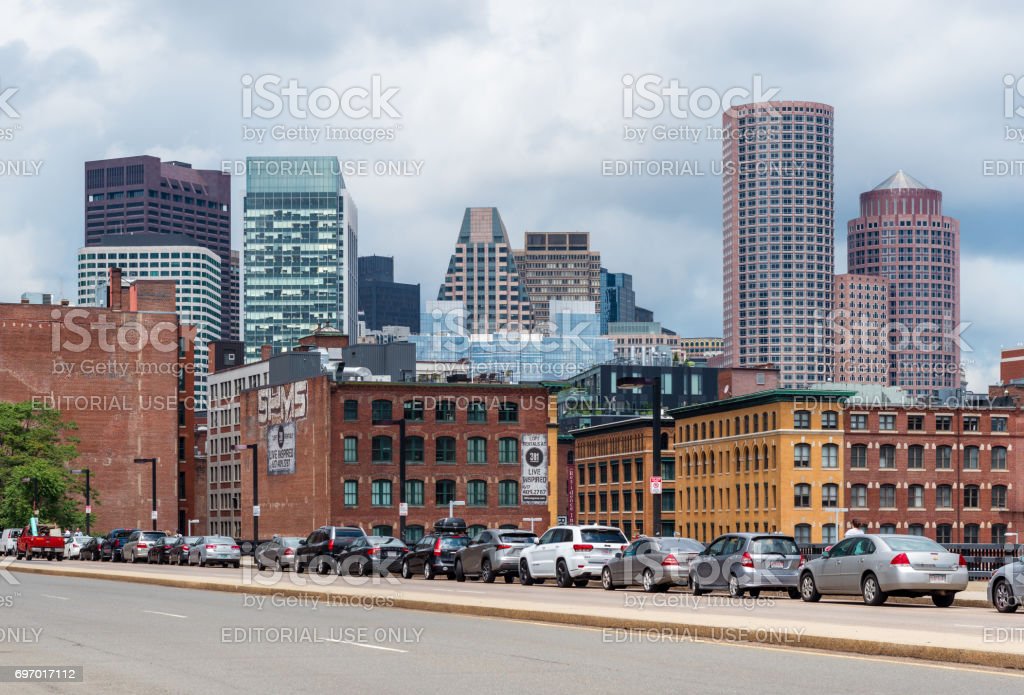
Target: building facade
<point x="300" y="248"/>
<point x="859" y="327"/>
<point x="618" y="300"/>
<point x="482" y="274"/>
<point x="778" y="237"/>
<point x="384" y="302"/>
<point x="558" y="266"/>
<point x="143" y="195"/>
<point x="643" y="343"/>
<point x="902" y="235"/>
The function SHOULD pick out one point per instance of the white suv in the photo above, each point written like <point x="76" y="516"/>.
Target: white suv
<point x="572" y="555"/>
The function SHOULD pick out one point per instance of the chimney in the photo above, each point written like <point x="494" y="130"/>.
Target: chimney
<point x="24" y="300"/>
<point x="266" y="351"/>
<point x="114" y="288"/>
<point x="64" y="302"/>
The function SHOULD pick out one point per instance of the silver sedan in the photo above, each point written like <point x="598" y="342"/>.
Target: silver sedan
<point x="877" y="566"/>
<point x="219" y="550"/>
<point x="1006" y="587"/>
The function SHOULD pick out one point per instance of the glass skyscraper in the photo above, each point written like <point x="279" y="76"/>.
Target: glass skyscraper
<point x="300" y="246"/>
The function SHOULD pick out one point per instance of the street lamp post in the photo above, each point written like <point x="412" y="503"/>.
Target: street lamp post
<point x="151" y="461"/>
<point x="35" y="494"/>
<point x="190" y="522"/>
<point x="453" y="504"/>
<point x="401" y="474"/>
<point x="655" y="384"/>
<point x="255" y="488"/>
<point x="88" y="501"/>
<point x="532" y="519"/>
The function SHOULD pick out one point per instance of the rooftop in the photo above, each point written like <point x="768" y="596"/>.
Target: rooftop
<point x="899" y="180"/>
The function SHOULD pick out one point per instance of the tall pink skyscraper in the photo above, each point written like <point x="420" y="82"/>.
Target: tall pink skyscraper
<point x="778" y="238"/>
<point x="903" y="236"/>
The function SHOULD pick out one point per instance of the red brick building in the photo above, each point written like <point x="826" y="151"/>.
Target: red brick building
<point x="121" y="374"/>
<point x="463" y="442"/>
<point x="950" y="473"/>
<point x="1011" y="365"/>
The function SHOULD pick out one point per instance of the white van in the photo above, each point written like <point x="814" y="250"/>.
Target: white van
<point x="9" y="541"/>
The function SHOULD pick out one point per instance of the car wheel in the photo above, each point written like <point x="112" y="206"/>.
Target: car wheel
<point x="647" y="582"/>
<point x="735" y="590"/>
<point x="236" y="564"/>
<point x="131" y="558"/>
<point x="793" y="593"/>
<point x="872" y="592"/>
<point x="606" y="580"/>
<point x="809" y="589"/>
<point x="695" y="586"/>
<point x="486" y="573"/>
<point x="202" y="561"/>
<point x="943" y="599"/>
<point x="524" y="573"/>
<point x="460" y="574"/>
<point x="1003" y="598"/>
<point x="428" y="571"/>
<point x="406" y="572"/>
<point x="754" y="593"/>
<point x="509" y="578"/>
<point x="277" y="565"/>
<point x="562" y="577"/>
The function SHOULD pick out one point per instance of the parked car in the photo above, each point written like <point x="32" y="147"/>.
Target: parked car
<point x="160" y="551"/>
<point x="178" y="554"/>
<point x="748" y="563"/>
<point x="47" y="542"/>
<point x="434" y="553"/>
<point x="493" y="553"/>
<point x="219" y="550"/>
<point x="877" y="566"/>
<point x="9" y="541"/>
<point x="572" y="555"/>
<point x="1006" y="587"/>
<point x="656" y="564"/>
<point x="372" y="555"/>
<point x="114" y="543"/>
<point x="73" y="545"/>
<point x="279" y="552"/>
<point x="136" y="548"/>
<point x="321" y="548"/>
<point x="90" y="549"/>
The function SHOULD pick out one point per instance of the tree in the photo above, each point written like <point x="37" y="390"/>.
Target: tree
<point x="36" y="444"/>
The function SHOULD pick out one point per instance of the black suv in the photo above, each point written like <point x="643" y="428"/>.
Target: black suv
<point x="114" y="543"/>
<point x="434" y="554"/>
<point x="321" y="548"/>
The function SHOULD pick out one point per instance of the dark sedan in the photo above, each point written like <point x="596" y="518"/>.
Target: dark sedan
<point x="90" y="549"/>
<point x="114" y="543"/>
<point x="372" y="555"/>
<point x="178" y="554"/>
<point x="160" y="551"/>
<point x="656" y="564"/>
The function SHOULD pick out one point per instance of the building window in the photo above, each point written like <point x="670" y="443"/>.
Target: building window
<point x="971" y="458"/>
<point x="943" y="423"/>
<point x="445" y="411"/>
<point x="668" y="500"/>
<point x="830" y="420"/>
<point x="381" y="449"/>
<point x="508" y="493"/>
<point x="830" y="456"/>
<point x="859" y="422"/>
<point x="381" y="411"/>
<point x="382" y="530"/>
<point x="668" y="470"/>
<point x="887" y="528"/>
<point x="802" y="534"/>
<point x="859" y="456"/>
<point x="915" y="457"/>
<point x="944" y="534"/>
<point x="444" y="492"/>
<point x="351" y="493"/>
<point x="944" y="458"/>
<point x="915" y="497"/>
<point x="944" y="497"/>
<point x="414" y="493"/>
<point x="829" y="495"/>
<point x="887" y="497"/>
<point x="999" y="533"/>
<point x="971" y="497"/>
<point x="351" y="450"/>
<point x="380" y="493"/>
<point x="887" y="422"/>
<point x="444" y="450"/>
<point x="999" y="458"/>
<point x="476" y="450"/>
<point x="508" y="451"/>
<point x="971" y="424"/>
<point x="414" y="449"/>
<point x="413" y="411"/>
<point x="802" y="456"/>
<point x="887" y="456"/>
<point x="859" y="496"/>
<point x="508" y="412"/>
<point x="999" y="497"/>
<point x="802" y="419"/>
<point x="915" y="423"/>
<point x="615" y="471"/>
<point x="802" y="496"/>
<point x="477" y="412"/>
<point x="602" y="472"/>
<point x="829" y="534"/>
<point x="916" y="529"/>
<point x="351" y="410"/>
<point x="476" y="493"/>
<point x="971" y="534"/>
<point x="998" y="425"/>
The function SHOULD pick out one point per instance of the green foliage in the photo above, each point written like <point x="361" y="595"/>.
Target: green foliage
<point x="36" y="443"/>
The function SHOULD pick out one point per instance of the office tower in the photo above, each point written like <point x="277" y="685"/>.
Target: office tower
<point x="136" y="195"/>
<point x="778" y="239"/>
<point x="859" y="328"/>
<point x="902" y="235"/>
<point x="300" y="249"/>
<point x="482" y="274"/>
<point x="558" y="266"/>
<point x="618" y="301"/>
<point x="384" y="302"/>
<point x="234" y="327"/>
<point x="195" y="271"/>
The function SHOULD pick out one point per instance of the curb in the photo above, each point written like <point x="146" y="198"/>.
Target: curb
<point x="763" y="636"/>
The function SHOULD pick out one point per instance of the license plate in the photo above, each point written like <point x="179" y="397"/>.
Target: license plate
<point x="776" y="565"/>
<point x="937" y="578"/>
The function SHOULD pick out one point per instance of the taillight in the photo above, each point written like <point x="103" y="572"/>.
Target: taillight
<point x="802" y="562"/>
<point x="184" y="547"/>
<point x="963" y="561"/>
<point x="211" y="547"/>
<point x="437" y="547"/>
<point x="669" y="561"/>
<point x="900" y="559"/>
<point x="371" y="551"/>
<point x="581" y="548"/>
<point x="289" y="551"/>
<point x="235" y="547"/>
<point x="623" y="548"/>
<point x="747" y="561"/>
<point x="143" y="545"/>
<point x="330" y="544"/>
<point x="502" y="547"/>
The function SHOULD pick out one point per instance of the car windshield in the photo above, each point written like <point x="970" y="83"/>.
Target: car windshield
<point x="451" y="542"/>
<point x="151" y="536"/>
<point x="912" y="544"/>
<point x="680" y="545"/>
<point x="774" y="546"/>
<point x="518" y="537"/>
<point x="602" y="535"/>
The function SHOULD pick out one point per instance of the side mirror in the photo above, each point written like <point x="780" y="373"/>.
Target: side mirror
<point x="302" y="542"/>
<point x="824" y="554"/>
<point x="536" y="541"/>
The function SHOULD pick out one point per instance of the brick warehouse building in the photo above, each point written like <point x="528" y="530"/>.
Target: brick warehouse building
<point x="127" y="402"/>
<point x="463" y="442"/>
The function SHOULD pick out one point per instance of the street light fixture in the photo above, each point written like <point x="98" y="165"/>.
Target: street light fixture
<point x="88" y="501"/>
<point x="255" y="487"/>
<point x="151" y="461"/>
<point x="453" y="504"/>
<point x="402" y="506"/>
<point x="532" y="519"/>
<point x="638" y="382"/>
<point x="190" y="522"/>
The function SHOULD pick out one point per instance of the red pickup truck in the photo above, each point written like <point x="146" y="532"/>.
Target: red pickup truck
<point x="42" y="545"/>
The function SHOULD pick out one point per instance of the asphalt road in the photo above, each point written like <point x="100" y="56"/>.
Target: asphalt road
<point x="132" y="638"/>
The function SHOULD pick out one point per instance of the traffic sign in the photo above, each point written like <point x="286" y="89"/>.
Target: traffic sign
<point x="655" y="484"/>
<point x="152" y="515"/>
<point x="88" y="509"/>
<point x="563" y="520"/>
<point x="403" y="509"/>
<point x="255" y="510"/>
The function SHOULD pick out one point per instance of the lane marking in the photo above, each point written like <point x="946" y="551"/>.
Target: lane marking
<point x="169" y="615"/>
<point x="59" y="598"/>
<point x="967" y="625"/>
<point x="365" y="646"/>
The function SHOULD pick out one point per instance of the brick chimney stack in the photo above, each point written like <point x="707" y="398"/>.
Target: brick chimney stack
<point x="114" y="288"/>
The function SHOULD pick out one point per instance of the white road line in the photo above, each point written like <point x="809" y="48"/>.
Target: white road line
<point x="59" y="598"/>
<point x="169" y="615"/>
<point x="367" y="646"/>
<point x="967" y="625"/>
<point x="467" y="591"/>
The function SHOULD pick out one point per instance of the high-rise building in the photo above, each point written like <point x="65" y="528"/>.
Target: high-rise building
<point x="778" y="238"/>
<point x="300" y="248"/>
<point x="902" y="235"/>
<point x="135" y="195"/>
<point x="234" y="321"/>
<point x="384" y="302"/>
<point x="860" y="320"/>
<point x="195" y="271"/>
<point x="618" y="301"/>
<point x="482" y="274"/>
<point x="558" y="266"/>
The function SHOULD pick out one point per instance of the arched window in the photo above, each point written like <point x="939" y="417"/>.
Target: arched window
<point x="476" y="493"/>
<point x="887" y="497"/>
<point x="972" y="497"/>
<point x="802" y="419"/>
<point x="802" y="456"/>
<point x="915" y="457"/>
<point x="944" y="497"/>
<point x="829" y="495"/>
<point x="444" y="450"/>
<point x="382" y="530"/>
<point x="414" y="449"/>
<point x="999" y="497"/>
<point x="380" y="493"/>
<point x="414" y="493"/>
<point x="999" y="458"/>
<point x="380" y="451"/>
<point x="971" y="533"/>
<point x="802" y="496"/>
<point x="859" y="456"/>
<point x="830" y="456"/>
<point x="859" y="496"/>
<point x="944" y="533"/>
<point x="444" y="492"/>
<point x="998" y="533"/>
<point x="944" y="458"/>
<point x="915" y="496"/>
<point x="508" y="450"/>
<point x="802" y="534"/>
<point x="916" y="529"/>
<point x="380" y="411"/>
<point x="887" y="456"/>
<point x="413" y="534"/>
<point x="971" y="458"/>
<point x="413" y="411"/>
<point x="475" y="530"/>
<point x="476" y="450"/>
<point x="508" y="493"/>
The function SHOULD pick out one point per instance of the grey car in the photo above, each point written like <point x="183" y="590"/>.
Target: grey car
<point x="493" y="553"/>
<point x="279" y="553"/>
<point x="219" y="550"/>
<point x="136" y="548"/>
<point x="748" y="563"/>
<point x="877" y="566"/>
<point x="652" y="563"/>
<point x="1006" y="587"/>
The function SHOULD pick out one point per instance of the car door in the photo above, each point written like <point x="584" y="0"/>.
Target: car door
<point x="704" y="565"/>
<point x="828" y="578"/>
<point x="542" y="559"/>
<point x="621" y="567"/>
<point x="417" y="558"/>
<point x="644" y="559"/>
<point x="729" y="555"/>
<point x="863" y="556"/>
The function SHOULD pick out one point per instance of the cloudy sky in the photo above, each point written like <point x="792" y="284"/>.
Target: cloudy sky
<point x="520" y="106"/>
